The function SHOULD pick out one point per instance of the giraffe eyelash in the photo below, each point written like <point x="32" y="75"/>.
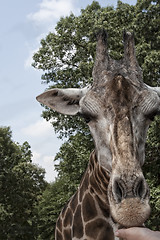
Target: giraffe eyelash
<point x="86" y="117"/>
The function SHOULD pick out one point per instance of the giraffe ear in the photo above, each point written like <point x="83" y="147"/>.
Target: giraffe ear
<point x="157" y="90"/>
<point x="65" y="101"/>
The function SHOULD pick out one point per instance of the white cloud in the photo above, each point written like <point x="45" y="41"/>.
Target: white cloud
<point x="44" y="144"/>
<point x="29" y="60"/>
<point x="47" y="163"/>
<point x="36" y="156"/>
<point x="50" y="10"/>
<point x="33" y="48"/>
<point x="41" y="128"/>
<point x="48" y="159"/>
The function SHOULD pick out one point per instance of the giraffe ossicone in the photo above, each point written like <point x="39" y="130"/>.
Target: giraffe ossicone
<point x="118" y="107"/>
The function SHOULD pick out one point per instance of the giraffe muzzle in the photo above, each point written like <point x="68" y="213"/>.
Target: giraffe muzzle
<point x="129" y="200"/>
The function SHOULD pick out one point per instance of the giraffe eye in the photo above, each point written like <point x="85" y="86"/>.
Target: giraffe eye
<point x="85" y="116"/>
<point x="152" y="115"/>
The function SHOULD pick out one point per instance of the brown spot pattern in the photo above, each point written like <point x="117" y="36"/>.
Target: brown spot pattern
<point x="77" y="224"/>
<point x="59" y="224"/>
<point x="68" y="218"/>
<point x="63" y="210"/>
<point x="59" y="235"/>
<point x="95" y="185"/>
<point x="88" y="208"/>
<point x="74" y="202"/>
<point x="99" y="229"/>
<point x="67" y="234"/>
<point x="103" y="206"/>
<point x="84" y="186"/>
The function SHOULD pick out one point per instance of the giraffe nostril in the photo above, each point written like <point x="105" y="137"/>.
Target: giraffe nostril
<point x="141" y="189"/>
<point x="118" y="190"/>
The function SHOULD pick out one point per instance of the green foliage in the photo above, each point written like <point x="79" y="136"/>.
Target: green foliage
<point x="73" y="157"/>
<point x="67" y="58"/>
<point x="50" y="205"/>
<point x="151" y="168"/>
<point x="21" y="184"/>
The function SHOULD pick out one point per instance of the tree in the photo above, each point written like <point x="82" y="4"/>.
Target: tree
<point x="73" y="158"/>
<point x="53" y="200"/>
<point x="67" y="57"/>
<point x="152" y="172"/>
<point x="21" y="185"/>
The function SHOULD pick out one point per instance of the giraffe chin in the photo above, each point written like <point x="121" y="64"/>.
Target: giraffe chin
<point x="131" y="212"/>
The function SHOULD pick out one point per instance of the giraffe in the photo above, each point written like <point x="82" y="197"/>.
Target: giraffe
<point x="118" y="109"/>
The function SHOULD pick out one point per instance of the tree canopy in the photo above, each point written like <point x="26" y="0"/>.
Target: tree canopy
<point x="21" y="185"/>
<point x="66" y="57"/>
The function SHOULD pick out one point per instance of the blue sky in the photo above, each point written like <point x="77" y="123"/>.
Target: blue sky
<point x="23" y="24"/>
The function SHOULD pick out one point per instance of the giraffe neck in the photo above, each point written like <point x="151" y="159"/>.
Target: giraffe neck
<point x="95" y="181"/>
<point x="87" y="215"/>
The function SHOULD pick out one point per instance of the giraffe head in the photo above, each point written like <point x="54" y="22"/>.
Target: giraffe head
<point x="118" y="108"/>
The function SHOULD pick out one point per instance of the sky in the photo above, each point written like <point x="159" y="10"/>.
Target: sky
<point x="22" y="25"/>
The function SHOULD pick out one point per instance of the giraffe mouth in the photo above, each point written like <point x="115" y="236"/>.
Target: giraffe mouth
<point x="130" y="212"/>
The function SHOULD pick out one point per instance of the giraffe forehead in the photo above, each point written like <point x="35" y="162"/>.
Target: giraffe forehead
<point x="121" y="96"/>
<point x="118" y="95"/>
